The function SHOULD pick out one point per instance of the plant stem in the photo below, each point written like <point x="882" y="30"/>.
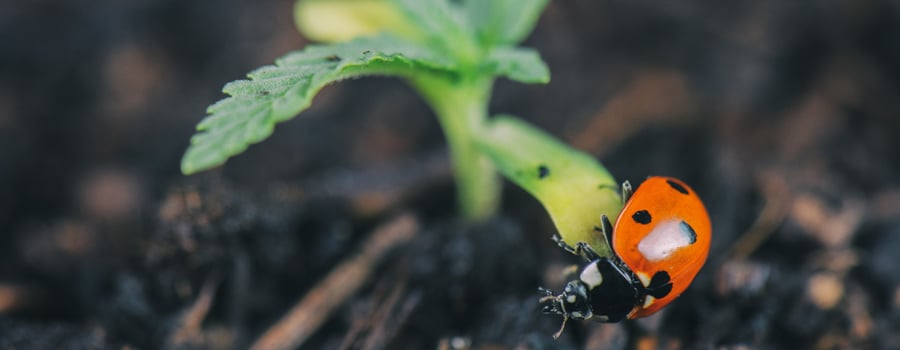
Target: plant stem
<point x="461" y="108"/>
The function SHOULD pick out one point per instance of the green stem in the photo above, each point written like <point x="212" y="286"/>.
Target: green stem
<point x="461" y="108"/>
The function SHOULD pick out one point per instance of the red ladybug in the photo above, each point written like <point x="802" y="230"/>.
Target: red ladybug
<point x="660" y="240"/>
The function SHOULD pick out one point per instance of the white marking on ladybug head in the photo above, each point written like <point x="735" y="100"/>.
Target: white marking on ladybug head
<point x="591" y="275"/>
<point x="666" y="238"/>
<point x="649" y="301"/>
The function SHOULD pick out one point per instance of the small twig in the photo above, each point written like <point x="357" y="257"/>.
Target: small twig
<point x="777" y="200"/>
<point x="380" y="303"/>
<point x="387" y="318"/>
<point x="315" y="307"/>
<point x="365" y="320"/>
<point x="189" y="325"/>
<point x="358" y="326"/>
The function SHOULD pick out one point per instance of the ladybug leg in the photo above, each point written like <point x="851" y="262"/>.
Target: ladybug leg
<point x="562" y="244"/>
<point x="552" y="304"/>
<point x="626" y="191"/>
<point x="606" y="228"/>
<point x="585" y="251"/>
<point x="581" y="249"/>
<point x="561" y="328"/>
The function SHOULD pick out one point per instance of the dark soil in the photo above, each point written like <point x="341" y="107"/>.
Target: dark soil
<point x="784" y="116"/>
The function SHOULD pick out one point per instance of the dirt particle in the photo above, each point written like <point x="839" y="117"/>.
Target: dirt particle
<point x="134" y="75"/>
<point x="110" y="194"/>
<point x="609" y="336"/>
<point x="825" y="290"/>
<point x="832" y="227"/>
<point x="742" y="277"/>
<point x="897" y="298"/>
<point x="74" y="238"/>
<point x="861" y="324"/>
<point x="646" y="343"/>
<point x="12" y="297"/>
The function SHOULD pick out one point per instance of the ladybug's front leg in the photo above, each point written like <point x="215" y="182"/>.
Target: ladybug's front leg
<point x="585" y="251"/>
<point x="581" y="249"/>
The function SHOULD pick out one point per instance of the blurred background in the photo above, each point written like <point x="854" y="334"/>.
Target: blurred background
<point x="783" y="116"/>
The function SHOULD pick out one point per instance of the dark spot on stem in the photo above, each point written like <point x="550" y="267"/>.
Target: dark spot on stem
<point x="677" y="186"/>
<point x="333" y="58"/>
<point x="367" y="52"/>
<point x="543" y="171"/>
<point x="642" y="217"/>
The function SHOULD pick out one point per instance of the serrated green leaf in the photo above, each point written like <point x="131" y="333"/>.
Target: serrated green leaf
<point x="277" y="93"/>
<point x="520" y="64"/>
<point x="503" y="22"/>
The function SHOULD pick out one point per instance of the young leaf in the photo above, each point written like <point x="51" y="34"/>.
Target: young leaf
<point x="520" y="64"/>
<point x="343" y="20"/>
<point x="574" y="188"/>
<point x="438" y="18"/>
<point x="277" y="93"/>
<point x="503" y="22"/>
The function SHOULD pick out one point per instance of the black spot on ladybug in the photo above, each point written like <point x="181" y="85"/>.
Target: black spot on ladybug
<point x="333" y="58"/>
<point x="677" y="186"/>
<point x="642" y="217"/>
<point x="688" y="231"/>
<point x="543" y="171"/>
<point x="660" y="285"/>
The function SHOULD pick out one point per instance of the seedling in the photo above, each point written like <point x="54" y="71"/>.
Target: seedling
<point x="450" y="52"/>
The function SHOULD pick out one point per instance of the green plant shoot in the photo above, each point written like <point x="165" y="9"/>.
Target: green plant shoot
<point x="572" y="186"/>
<point x="450" y="52"/>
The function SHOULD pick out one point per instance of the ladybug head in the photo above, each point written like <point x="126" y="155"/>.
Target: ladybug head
<point x="604" y="291"/>
<point x="572" y="303"/>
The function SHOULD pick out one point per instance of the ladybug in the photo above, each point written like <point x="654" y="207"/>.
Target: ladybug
<point x="660" y="241"/>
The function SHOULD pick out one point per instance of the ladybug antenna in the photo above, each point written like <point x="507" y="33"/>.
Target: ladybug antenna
<point x="550" y="302"/>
